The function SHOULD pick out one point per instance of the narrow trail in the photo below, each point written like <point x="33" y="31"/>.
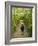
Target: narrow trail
<point x="19" y="33"/>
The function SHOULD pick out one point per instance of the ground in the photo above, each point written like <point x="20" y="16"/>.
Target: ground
<point x="19" y="33"/>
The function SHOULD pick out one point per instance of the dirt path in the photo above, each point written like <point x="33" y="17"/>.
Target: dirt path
<point x="19" y="33"/>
